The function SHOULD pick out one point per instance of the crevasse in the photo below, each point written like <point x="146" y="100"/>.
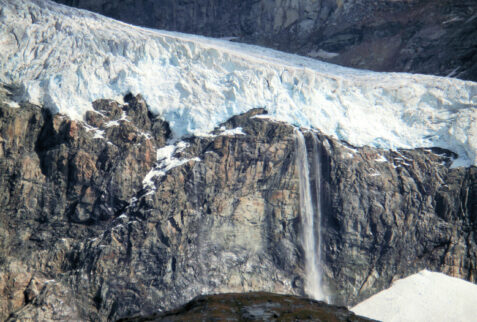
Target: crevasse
<point x="65" y="58"/>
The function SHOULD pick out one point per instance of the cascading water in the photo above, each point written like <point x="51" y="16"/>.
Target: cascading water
<point x="317" y="177"/>
<point x="312" y="252"/>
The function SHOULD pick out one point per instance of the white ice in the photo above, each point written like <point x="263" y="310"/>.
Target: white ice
<point x="422" y="297"/>
<point x="65" y="58"/>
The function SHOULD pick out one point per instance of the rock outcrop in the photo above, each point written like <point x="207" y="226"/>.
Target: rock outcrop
<point x="253" y="307"/>
<point x="61" y="182"/>
<point x="418" y="36"/>
<point x="107" y="218"/>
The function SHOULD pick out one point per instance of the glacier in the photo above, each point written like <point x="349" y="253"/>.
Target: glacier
<point x="65" y="58"/>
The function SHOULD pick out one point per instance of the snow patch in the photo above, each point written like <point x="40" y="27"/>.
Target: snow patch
<point x="262" y="116"/>
<point x="166" y="162"/>
<point x="98" y="134"/>
<point x="111" y="124"/>
<point x="375" y="173"/>
<point x="66" y="58"/>
<point x="425" y="296"/>
<point x="13" y="104"/>
<point x="232" y="132"/>
<point x="124" y="118"/>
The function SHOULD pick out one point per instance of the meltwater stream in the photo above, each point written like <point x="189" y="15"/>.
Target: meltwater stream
<point x="313" y="287"/>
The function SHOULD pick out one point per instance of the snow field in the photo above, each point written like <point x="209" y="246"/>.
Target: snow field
<point x="423" y="297"/>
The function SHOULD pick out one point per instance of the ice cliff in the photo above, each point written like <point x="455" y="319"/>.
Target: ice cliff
<point x="66" y="58"/>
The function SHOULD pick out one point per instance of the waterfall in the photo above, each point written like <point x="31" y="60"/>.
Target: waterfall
<point x="313" y="287"/>
<point x="317" y="176"/>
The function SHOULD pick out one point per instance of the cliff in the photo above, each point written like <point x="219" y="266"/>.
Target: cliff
<point x="105" y="218"/>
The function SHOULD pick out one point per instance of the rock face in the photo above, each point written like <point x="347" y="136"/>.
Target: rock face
<point x="62" y="182"/>
<point x="419" y="36"/>
<point x="385" y="219"/>
<point x="101" y="219"/>
<point x="253" y="306"/>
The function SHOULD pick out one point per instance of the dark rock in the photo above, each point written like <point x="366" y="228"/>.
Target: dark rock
<point x="60" y="183"/>
<point x="253" y="306"/>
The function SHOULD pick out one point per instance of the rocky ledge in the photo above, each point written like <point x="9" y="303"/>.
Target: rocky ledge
<point x="107" y="217"/>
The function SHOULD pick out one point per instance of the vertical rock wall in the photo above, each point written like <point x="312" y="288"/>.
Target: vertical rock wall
<point x="82" y="235"/>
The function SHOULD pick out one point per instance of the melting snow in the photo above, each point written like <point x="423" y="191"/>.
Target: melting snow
<point x="426" y="296"/>
<point x="65" y="58"/>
